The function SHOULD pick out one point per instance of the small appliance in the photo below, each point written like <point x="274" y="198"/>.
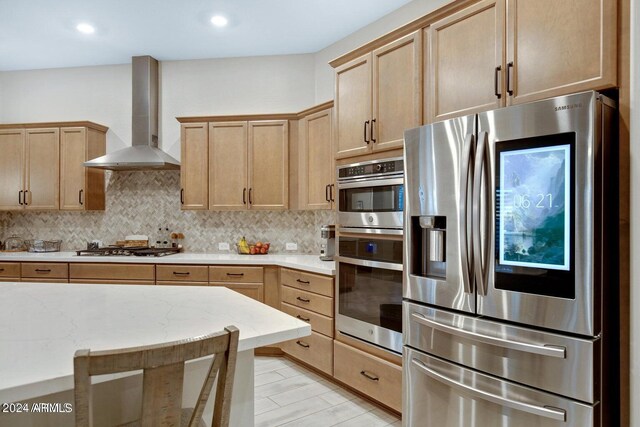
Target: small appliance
<point x="328" y="245"/>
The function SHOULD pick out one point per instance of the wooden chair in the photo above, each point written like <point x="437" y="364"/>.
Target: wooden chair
<point x="163" y="373"/>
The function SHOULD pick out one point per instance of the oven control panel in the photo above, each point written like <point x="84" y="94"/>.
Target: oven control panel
<point x="373" y="168"/>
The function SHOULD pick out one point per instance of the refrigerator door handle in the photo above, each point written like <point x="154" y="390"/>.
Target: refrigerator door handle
<point x="541" y="349"/>
<point x="540" y="410"/>
<point x="481" y="253"/>
<point x="463" y="214"/>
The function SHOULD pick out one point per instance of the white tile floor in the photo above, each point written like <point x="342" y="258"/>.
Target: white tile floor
<point x="287" y="394"/>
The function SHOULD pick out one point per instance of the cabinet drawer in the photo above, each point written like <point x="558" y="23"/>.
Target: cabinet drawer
<point x="111" y="282"/>
<point x="318" y="322"/>
<point x="371" y="375"/>
<point x="309" y="282"/>
<point x="252" y="290"/>
<point x="172" y="283"/>
<point x="41" y="270"/>
<point x="315" y="350"/>
<point x="310" y="301"/>
<point x="126" y="272"/>
<point x="182" y="273"/>
<point x="235" y="274"/>
<point x="9" y="269"/>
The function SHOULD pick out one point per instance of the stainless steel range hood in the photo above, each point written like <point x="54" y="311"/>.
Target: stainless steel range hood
<point x="144" y="154"/>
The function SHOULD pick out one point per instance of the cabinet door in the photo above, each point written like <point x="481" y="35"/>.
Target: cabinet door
<point x="73" y="149"/>
<point x="42" y="182"/>
<point x="560" y="47"/>
<point x="269" y="165"/>
<point x="228" y="166"/>
<point x="397" y="91"/>
<point x="353" y="107"/>
<point x="316" y="166"/>
<point x="194" y="175"/>
<point x="11" y="168"/>
<point x="467" y="61"/>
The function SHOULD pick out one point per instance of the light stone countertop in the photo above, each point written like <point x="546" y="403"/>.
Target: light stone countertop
<point x="311" y="263"/>
<point x="42" y="326"/>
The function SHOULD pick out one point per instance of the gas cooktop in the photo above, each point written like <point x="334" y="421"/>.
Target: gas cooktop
<point x="132" y="251"/>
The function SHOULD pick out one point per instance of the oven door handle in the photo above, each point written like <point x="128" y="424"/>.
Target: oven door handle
<point x="367" y="263"/>
<point x="541" y="349"/>
<point x="539" y="410"/>
<point x="367" y="230"/>
<point x="370" y="182"/>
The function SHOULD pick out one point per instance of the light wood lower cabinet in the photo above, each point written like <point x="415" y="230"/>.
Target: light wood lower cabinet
<point x="44" y="271"/>
<point x="310" y="282"/>
<point x="315" y="350"/>
<point x="251" y="290"/>
<point x="237" y="274"/>
<point x="368" y="374"/>
<point x="182" y="273"/>
<point x="111" y="272"/>
<point x="9" y="271"/>
<point x="308" y="300"/>
<point x="319" y="323"/>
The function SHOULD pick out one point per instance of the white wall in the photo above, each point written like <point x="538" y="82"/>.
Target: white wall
<point x="269" y="84"/>
<point x="635" y="213"/>
<point x="404" y="15"/>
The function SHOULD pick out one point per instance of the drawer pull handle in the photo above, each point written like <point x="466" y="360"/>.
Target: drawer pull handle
<point x="303" y="344"/>
<point x="235" y="274"/>
<point x="303" y="299"/>
<point x="306" y="282"/>
<point x="304" y="319"/>
<point x="1" y="270"/>
<point x="369" y="376"/>
<point x="181" y="273"/>
<point x="43" y="270"/>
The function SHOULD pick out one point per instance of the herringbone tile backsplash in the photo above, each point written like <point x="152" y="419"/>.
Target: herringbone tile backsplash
<point x="141" y="202"/>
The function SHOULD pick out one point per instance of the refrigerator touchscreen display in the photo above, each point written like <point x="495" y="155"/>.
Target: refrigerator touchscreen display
<point x="535" y="208"/>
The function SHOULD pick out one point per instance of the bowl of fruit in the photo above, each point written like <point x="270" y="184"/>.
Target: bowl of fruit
<point x="257" y="248"/>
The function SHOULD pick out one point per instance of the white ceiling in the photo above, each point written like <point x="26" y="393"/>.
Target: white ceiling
<point x="41" y="33"/>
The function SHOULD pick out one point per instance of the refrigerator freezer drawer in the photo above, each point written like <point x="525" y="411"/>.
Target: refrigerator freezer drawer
<point x="438" y="393"/>
<point x="556" y="363"/>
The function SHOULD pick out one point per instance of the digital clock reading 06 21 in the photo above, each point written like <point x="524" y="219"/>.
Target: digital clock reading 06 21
<point x="535" y="208"/>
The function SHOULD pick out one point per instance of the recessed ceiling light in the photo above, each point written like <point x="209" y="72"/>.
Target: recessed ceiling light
<point x="85" y="28"/>
<point x="219" y="20"/>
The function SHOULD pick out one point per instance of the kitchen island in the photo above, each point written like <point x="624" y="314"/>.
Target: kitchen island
<point x="42" y="325"/>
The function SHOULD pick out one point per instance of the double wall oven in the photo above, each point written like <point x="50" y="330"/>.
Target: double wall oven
<point x="510" y="308"/>
<point x="370" y="251"/>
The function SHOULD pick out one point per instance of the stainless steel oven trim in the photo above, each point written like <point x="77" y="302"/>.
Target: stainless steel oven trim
<point x="368" y="162"/>
<point x="366" y="263"/>
<point x="370" y="182"/>
<point x="373" y="334"/>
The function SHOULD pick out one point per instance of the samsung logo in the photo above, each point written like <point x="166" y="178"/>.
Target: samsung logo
<point x="568" y="107"/>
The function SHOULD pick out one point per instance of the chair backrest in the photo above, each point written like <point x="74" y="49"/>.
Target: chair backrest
<point x="163" y="373"/>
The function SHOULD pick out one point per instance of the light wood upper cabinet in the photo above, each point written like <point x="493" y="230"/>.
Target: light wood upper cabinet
<point x="81" y="188"/>
<point x="11" y="168"/>
<point x="42" y="169"/>
<point x="353" y="107"/>
<point x="560" y="47"/>
<point x="467" y="61"/>
<point x="269" y="164"/>
<point x="551" y="48"/>
<point x="378" y="96"/>
<point x="397" y="91"/>
<point x="194" y="169"/>
<point x="228" y="146"/>
<point x="316" y="178"/>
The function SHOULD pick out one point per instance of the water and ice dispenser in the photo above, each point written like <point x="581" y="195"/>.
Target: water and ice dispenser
<point x="429" y="237"/>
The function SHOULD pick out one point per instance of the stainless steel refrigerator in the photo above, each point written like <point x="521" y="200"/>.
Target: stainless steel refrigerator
<point x="510" y="279"/>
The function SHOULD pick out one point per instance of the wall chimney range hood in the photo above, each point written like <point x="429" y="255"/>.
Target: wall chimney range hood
<point x="144" y="154"/>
